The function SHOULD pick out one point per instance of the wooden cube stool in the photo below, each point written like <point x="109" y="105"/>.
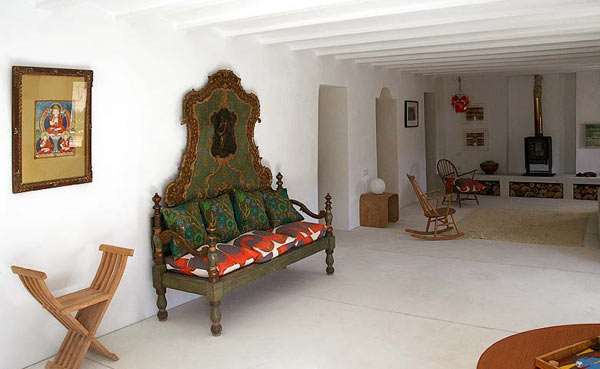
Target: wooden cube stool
<point x="90" y="304"/>
<point x="378" y="210"/>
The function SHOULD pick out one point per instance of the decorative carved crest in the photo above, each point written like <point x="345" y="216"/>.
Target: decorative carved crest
<point x="221" y="153"/>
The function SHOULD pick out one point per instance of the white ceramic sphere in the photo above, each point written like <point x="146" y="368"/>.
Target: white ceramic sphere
<point x="377" y="186"/>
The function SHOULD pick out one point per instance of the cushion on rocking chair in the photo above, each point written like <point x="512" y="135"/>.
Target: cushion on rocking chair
<point x="229" y="258"/>
<point x="303" y="232"/>
<point x="464" y="185"/>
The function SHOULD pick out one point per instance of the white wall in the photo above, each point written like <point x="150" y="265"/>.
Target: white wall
<point x="333" y="151"/>
<point x="491" y="91"/>
<point x="588" y="111"/>
<point x="141" y="72"/>
<point x="558" y="115"/>
<point x="509" y="113"/>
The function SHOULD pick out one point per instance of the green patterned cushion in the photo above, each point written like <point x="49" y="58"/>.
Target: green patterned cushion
<point x="279" y="208"/>
<point x="249" y="211"/>
<point x="218" y="211"/>
<point x="186" y="220"/>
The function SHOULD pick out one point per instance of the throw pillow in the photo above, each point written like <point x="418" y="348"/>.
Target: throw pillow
<point x="186" y="220"/>
<point x="249" y="211"/>
<point x="218" y="211"/>
<point x="279" y="207"/>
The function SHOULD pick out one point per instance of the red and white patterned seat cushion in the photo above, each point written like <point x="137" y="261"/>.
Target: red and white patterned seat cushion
<point x="229" y="258"/>
<point x="464" y="185"/>
<point x="303" y="232"/>
<point x="268" y="245"/>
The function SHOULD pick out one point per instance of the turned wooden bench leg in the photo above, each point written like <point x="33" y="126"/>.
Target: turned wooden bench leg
<point x="161" y="303"/>
<point x="215" y="317"/>
<point x="329" y="259"/>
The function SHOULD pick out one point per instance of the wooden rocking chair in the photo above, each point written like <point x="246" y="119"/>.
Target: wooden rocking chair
<point x="439" y="216"/>
<point x="90" y="304"/>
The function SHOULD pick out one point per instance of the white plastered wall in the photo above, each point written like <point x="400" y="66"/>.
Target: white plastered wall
<point x="141" y="72"/>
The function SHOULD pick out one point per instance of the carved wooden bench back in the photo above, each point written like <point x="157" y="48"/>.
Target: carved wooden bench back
<point x="221" y="153"/>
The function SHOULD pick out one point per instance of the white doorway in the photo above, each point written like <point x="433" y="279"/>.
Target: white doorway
<point x="333" y="152"/>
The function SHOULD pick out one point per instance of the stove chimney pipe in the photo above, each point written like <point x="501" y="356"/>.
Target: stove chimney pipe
<point x="537" y="105"/>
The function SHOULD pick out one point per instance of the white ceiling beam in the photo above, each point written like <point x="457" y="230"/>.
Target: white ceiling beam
<point x="463" y="43"/>
<point x="48" y="4"/>
<point x="548" y="70"/>
<point x="498" y="60"/>
<point x="504" y="66"/>
<point x="444" y="16"/>
<point x="527" y="44"/>
<point x="246" y="9"/>
<point x="476" y="55"/>
<point x="518" y="26"/>
<point x="336" y="13"/>
<point x="164" y="6"/>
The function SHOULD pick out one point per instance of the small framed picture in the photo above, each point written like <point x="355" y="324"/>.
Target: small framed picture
<point x="411" y="113"/>
<point x="475" y="114"/>
<point x="52" y="127"/>
<point x="592" y="135"/>
<point x="476" y="139"/>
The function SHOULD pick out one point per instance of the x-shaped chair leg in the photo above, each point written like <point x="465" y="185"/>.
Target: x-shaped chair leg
<point x="90" y="304"/>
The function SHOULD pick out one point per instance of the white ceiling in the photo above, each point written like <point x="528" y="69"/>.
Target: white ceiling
<point x="432" y="37"/>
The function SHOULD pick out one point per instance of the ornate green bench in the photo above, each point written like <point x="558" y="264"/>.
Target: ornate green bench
<point x="221" y="156"/>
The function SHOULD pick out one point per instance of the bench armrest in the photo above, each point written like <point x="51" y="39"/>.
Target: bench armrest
<point x="323" y="214"/>
<point x="307" y="211"/>
<point x="168" y="236"/>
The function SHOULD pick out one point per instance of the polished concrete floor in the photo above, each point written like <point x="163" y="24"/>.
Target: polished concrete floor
<point x="394" y="302"/>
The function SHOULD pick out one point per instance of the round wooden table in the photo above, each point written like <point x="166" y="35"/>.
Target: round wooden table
<point x="519" y="351"/>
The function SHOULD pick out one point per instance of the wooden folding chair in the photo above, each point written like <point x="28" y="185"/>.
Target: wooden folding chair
<point x="439" y="216"/>
<point x="90" y="304"/>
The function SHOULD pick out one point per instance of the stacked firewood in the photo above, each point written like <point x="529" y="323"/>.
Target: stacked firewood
<point x="533" y="189"/>
<point x="585" y="192"/>
<point x="492" y="188"/>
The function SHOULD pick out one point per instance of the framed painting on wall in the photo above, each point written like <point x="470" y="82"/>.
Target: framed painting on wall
<point x="52" y="127"/>
<point x="411" y="113"/>
<point x="476" y="139"/>
<point x="592" y="135"/>
<point x="475" y="114"/>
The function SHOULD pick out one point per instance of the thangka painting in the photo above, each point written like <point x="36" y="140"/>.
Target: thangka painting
<point x="220" y="153"/>
<point x="53" y="129"/>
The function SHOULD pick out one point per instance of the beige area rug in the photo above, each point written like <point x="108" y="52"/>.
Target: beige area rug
<point x="526" y="226"/>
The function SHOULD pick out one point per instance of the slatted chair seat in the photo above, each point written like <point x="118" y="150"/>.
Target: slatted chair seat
<point x="439" y="212"/>
<point x="82" y="299"/>
<point x="90" y="304"/>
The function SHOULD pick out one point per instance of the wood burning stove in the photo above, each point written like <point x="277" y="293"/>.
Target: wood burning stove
<point x="538" y="149"/>
<point x="538" y="156"/>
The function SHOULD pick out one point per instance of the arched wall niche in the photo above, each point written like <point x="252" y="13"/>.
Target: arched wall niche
<point x="386" y="93"/>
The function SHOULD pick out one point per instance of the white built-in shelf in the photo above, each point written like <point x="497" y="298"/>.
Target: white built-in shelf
<point x="567" y="180"/>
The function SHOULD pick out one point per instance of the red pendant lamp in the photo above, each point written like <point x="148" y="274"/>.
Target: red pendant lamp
<point x="460" y="102"/>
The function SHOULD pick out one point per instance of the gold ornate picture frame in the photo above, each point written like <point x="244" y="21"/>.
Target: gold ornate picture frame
<point x="52" y="127"/>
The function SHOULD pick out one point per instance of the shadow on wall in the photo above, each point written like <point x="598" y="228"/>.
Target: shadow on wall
<point x="407" y="196"/>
